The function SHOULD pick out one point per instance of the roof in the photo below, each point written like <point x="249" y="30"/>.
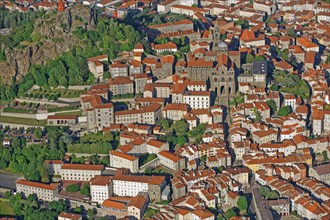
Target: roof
<point x="123" y="155"/>
<point x="113" y="204"/>
<point x="70" y="216"/>
<point x="322" y="169"/>
<point x="100" y="180"/>
<point x="82" y="167"/>
<point x="203" y="213"/>
<point x="37" y="184"/>
<point x="171" y="156"/>
<point x="156" y="143"/>
<point x="119" y="80"/>
<point x="154" y="180"/>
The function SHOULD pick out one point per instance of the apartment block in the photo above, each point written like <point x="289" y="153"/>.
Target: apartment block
<point x="131" y="185"/>
<point x="81" y="172"/>
<point x="100" y="188"/>
<point x="43" y="191"/>
<point x="122" y="160"/>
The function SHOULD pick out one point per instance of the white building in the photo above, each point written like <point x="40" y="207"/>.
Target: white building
<point x="156" y="146"/>
<point x="100" y="188"/>
<point x="81" y="172"/>
<point x="43" y="191"/>
<point x="54" y="166"/>
<point x="122" y="160"/>
<point x="197" y="99"/>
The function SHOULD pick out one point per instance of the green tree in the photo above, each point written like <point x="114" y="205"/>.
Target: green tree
<point x="259" y="58"/>
<point x="181" y="127"/>
<point x="264" y="190"/>
<point x="2" y="55"/>
<point x="230" y="213"/>
<point x="242" y="203"/>
<point x="85" y="190"/>
<point x="38" y="133"/>
<point x="249" y="58"/>
<point x="273" y="195"/>
<point x="182" y="140"/>
<point x="284" y="111"/>
<point x="328" y="59"/>
<point x="72" y="188"/>
<point x="272" y="105"/>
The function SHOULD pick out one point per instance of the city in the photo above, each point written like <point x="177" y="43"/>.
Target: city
<point x="161" y="110"/>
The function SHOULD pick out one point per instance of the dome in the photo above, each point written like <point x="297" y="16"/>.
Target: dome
<point x="223" y="45"/>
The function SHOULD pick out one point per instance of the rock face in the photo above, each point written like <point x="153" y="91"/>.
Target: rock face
<point x="56" y="39"/>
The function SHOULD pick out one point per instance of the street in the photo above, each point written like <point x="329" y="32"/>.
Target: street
<point x="8" y="180"/>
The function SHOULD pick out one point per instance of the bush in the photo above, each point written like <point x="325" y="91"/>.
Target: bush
<point x="284" y="111"/>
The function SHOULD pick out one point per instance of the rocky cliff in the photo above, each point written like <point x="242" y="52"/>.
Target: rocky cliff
<point x="55" y="39"/>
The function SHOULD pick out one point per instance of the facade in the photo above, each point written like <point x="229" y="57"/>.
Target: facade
<point x="156" y="146"/>
<point x="100" y="114"/>
<point x="145" y="115"/>
<point x="43" y="191"/>
<point x="96" y="65"/>
<point x="129" y="185"/>
<point x="62" y="120"/>
<point x="121" y="85"/>
<point x="100" y="188"/>
<point x="122" y="160"/>
<point x="81" y="172"/>
<point x="321" y="173"/>
<point x="54" y="166"/>
<point x="197" y="99"/>
<point x="171" y="160"/>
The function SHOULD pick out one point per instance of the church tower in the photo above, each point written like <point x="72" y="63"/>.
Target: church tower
<point x="216" y="37"/>
<point x="60" y="6"/>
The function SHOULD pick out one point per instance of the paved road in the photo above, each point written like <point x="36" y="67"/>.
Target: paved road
<point x="8" y="180"/>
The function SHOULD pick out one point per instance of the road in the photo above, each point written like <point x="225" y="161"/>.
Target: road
<point x="8" y="180"/>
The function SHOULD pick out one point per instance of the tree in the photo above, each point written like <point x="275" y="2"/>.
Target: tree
<point x="259" y="58"/>
<point x="230" y="213"/>
<point x="72" y="188"/>
<point x="328" y="59"/>
<point x="249" y="58"/>
<point x="164" y="123"/>
<point x="272" y="105"/>
<point x="264" y="190"/>
<point x="106" y="75"/>
<point x="181" y="127"/>
<point x="242" y="203"/>
<point x="41" y="79"/>
<point x="284" y="111"/>
<point x="257" y="115"/>
<point x="182" y="140"/>
<point x="273" y="195"/>
<point x="85" y="190"/>
<point x="38" y="133"/>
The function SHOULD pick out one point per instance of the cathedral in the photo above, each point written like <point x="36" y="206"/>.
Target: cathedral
<point x="218" y="66"/>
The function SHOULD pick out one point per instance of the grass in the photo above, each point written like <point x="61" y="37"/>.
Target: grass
<point x="5" y="209"/>
<point x="78" y="113"/>
<point x="22" y="121"/>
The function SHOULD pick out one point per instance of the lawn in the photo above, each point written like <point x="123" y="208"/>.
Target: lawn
<point x="5" y="209"/>
<point x="23" y="121"/>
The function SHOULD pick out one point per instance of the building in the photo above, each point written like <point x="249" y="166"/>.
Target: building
<point x="197" y="99"/>
<point x="321" y="173"/>
<point x="100" y="188"/>
<point x="122" y="160"/>
<point x="130" y="185"/>
<point x="145" y="115"/>
<point x="118" y="69"/>
<point x="54" y="166"/>
<point x="255" y="74"/>
<point x="121" y="85"/>
<point x="62" y="120"/>
<point x="43" y="191"/>
<point x="81" y="172"/>
<point x="97" y="65"/>
<point x="69" y="216"/>
<point x="156" y="146"/>
<point x="171" y="160"/>
<point x="100" y="113"/>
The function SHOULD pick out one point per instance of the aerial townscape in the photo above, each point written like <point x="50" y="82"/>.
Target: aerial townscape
<point x="165" y="109"/>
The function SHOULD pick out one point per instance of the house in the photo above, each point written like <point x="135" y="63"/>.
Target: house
<point x="121" y="85"/>
<point x="100" y="188"/>
<point x="69" y="216"/>
<point x="156" y="146"/>
<point x="167" y="47"/>
<point x="54" y="166"/>
<point x="171" y="160"/>
<point x="62" y="120"/>
<point x="321" y="173"/>
<point x="122" y="160"/>
<point x="96" y="65"/>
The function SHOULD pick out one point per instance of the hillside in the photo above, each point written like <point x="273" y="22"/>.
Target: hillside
<point x="49" y="39"/>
